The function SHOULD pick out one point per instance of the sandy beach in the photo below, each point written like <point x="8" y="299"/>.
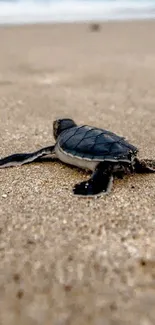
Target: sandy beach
<point x="66" y="260"/>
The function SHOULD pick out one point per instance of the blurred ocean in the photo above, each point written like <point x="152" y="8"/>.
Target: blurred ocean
<point x="33" y="11"/>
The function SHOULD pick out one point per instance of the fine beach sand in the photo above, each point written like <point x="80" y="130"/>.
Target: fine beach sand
<point x="66" y="260"/>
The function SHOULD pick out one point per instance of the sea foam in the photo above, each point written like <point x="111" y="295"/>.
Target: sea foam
<point x="23" y="11"/>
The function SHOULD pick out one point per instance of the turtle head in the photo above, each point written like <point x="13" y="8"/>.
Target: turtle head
<point x="62" y="125"/>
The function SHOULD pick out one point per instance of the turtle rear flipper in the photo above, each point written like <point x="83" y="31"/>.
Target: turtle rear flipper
<point x="25" y="158"/>
<point x="100" y="182"/>
<point x="144" y="166"/>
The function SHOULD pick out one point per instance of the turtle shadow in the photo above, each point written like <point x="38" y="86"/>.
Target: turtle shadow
<point x="44" y="160"/>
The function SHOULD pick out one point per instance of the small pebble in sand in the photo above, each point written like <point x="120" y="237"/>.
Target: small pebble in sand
<point x="4" y="196"/>
<point x="95" y="27"/>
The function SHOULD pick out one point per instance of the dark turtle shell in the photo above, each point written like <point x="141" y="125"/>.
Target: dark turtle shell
<point x="95" y="144"/>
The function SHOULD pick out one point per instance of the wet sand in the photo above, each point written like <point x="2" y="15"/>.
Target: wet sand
<point x="66" y="260"/>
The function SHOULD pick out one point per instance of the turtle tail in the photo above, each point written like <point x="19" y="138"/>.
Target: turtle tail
<point x="144" y="166"/>
<point x="25" y="158"/>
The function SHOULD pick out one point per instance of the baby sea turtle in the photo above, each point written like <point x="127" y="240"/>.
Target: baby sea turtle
<point x="99" y="150"/>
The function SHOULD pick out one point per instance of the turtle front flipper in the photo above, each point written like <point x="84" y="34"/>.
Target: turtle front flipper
<point x="25" y="158"/>
<point x="100" y="182"/>
<point x="144" y="166"/>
